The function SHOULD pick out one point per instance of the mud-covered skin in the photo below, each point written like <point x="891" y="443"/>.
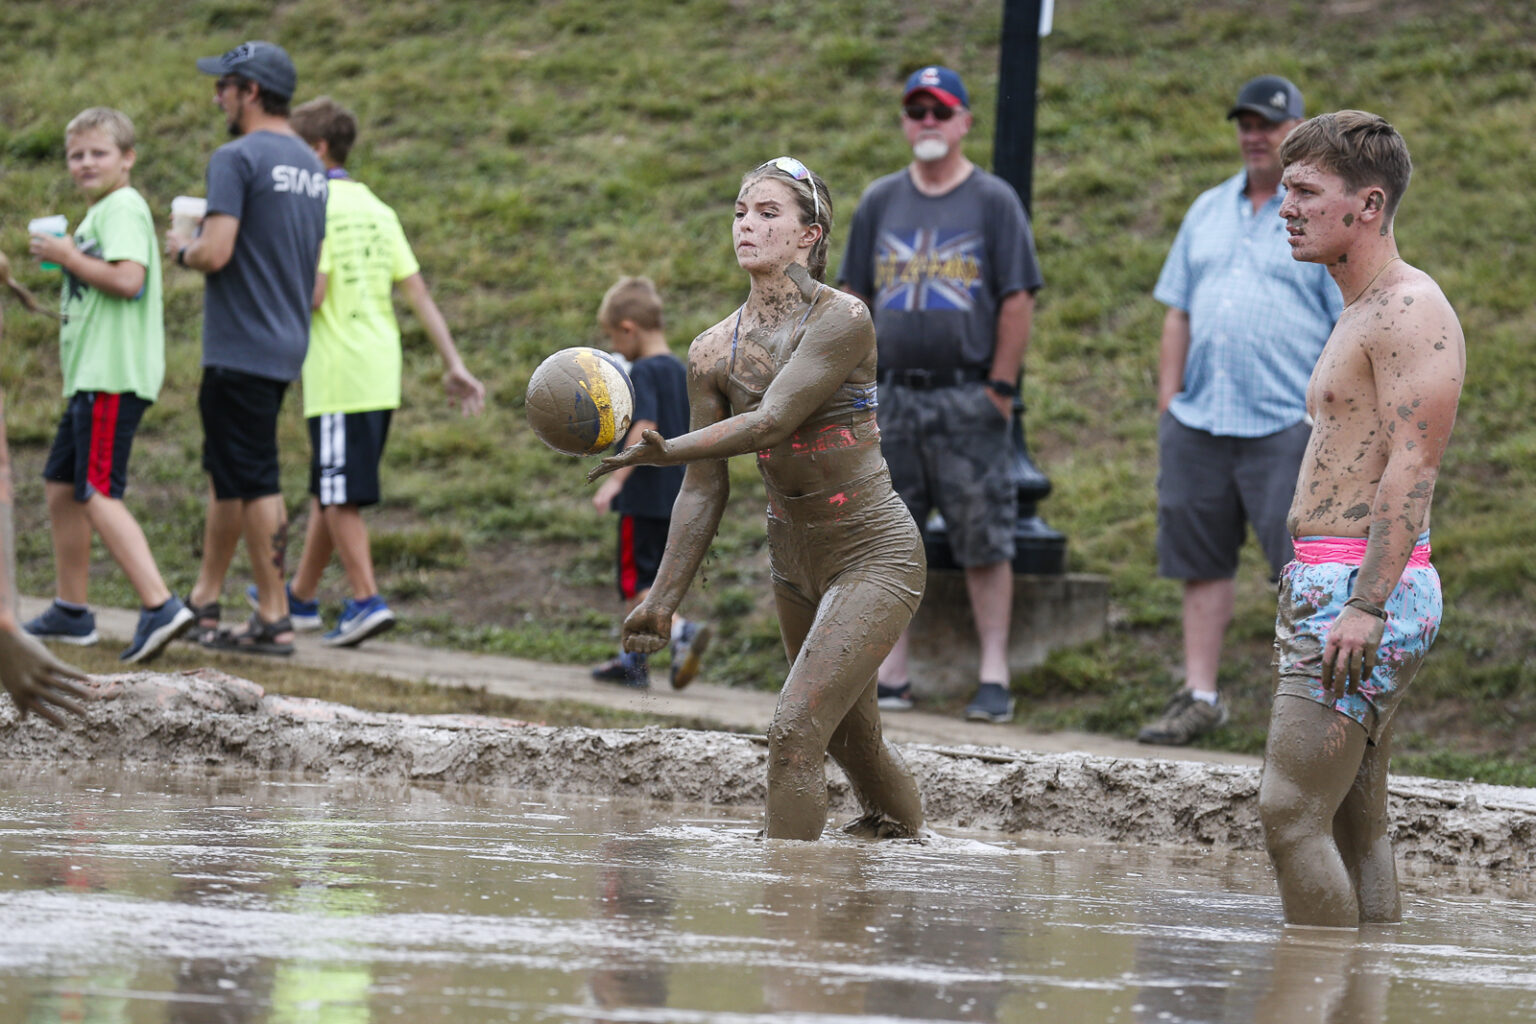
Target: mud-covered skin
<point x="790" y="376"/>
<point x="1383" y="400"/>
<point x="35" y="679"/>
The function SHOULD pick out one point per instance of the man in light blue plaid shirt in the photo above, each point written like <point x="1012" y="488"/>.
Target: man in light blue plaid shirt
<point x="1244" y="326"/>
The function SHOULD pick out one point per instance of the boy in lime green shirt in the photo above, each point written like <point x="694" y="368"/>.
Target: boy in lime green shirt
<point x="351" y="376"/>
<point x="112" y="353"/>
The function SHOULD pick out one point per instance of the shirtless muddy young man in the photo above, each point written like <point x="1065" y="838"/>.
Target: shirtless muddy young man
<point x="1360" y="604"/>
<point x="791" y="376"/>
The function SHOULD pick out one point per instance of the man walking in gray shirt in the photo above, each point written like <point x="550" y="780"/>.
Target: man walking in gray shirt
<point x="259" y="246"/>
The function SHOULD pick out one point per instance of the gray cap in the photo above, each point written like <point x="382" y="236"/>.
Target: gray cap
<point x="266" y="64"/>
<point x="1271" y="96"/>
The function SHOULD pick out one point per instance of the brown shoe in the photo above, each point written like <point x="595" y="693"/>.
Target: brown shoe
<point x="1183" y="720"/>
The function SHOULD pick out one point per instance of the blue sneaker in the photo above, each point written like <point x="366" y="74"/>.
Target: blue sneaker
<point x="630" y="668"/>
<point x="65" y="626"/>
<point x="157" y="629"/>
<point x="305" y="615"/>
<point x="359" y="621"/>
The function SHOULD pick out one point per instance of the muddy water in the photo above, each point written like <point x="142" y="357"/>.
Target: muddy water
<point x="138" y="896"/>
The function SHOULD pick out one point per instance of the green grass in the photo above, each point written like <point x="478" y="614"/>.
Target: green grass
<point x="536" y="151"/>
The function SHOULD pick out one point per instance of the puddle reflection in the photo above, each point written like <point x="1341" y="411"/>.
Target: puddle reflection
<point x="130" y="898"/>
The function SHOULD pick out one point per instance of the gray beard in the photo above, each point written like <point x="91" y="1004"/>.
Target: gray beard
<point x="929" y="150"/>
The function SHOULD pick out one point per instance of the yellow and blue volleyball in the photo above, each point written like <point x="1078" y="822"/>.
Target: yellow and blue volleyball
<point x="580" y="401"/>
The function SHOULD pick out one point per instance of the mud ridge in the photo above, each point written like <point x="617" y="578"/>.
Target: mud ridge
<point x="217" y="721"/>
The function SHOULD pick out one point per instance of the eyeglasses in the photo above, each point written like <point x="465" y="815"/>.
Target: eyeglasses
<point x="797" y="170"/>
<point x="225" y="81"/>
<point x="918" y="111"/>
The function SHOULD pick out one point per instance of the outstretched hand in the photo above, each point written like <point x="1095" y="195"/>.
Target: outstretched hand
<point x="36" y="680"/>
<point x="651" y="450"/>
<point x="20" y="290"/>
<point x="646" y="629"/>
<point x="465" y="388"/>
<point x="1350" y="654"/>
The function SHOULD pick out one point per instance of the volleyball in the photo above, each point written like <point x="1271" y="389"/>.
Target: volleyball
<point x="580" y="401"/>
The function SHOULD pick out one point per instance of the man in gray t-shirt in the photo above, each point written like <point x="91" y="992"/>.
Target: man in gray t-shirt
<point x="259" y="246"/>
<point x="943" y="254"/>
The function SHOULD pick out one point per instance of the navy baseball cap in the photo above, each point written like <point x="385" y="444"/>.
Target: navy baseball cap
<point x="942" y="84"/>
<point x="1271" y="96"/>
<point x="266" y="64"/>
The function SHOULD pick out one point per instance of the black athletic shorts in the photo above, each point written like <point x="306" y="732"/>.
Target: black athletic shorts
<point x="239" y="412"/>
<point x="642" y="539"/>
<point x="344" y="453"/>
<point x="94" y="440"/>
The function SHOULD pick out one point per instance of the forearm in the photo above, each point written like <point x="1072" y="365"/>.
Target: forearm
<point x="123" y="279"/>
<point x="1173" y="352"/>
<point x="432" y="321"/>
<point x="7" y="527"/>
<point x="695" y="517"/>
<point x="210" y="250"/>
<point x="1015" y="319"/>
<point x="1401" y="510"/>
<point x="736" y="435"/>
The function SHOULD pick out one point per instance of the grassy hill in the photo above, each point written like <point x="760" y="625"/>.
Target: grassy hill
<point x="537" y="150"/>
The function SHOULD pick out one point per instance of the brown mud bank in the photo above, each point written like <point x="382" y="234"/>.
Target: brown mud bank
<point x="212" y="720"/>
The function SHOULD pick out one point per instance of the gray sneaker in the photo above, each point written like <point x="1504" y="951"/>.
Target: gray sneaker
<point x="1184" y="719"/>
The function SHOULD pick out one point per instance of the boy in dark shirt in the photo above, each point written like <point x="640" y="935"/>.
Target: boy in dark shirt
<point x="643" y="495"/>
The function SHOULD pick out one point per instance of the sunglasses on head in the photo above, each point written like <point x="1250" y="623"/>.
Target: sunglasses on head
<point x="797" y="170"/>
<point x="918" y="111"/>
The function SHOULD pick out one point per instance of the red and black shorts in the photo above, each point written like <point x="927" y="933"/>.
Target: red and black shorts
<point x="93" y="443"/>
<point x="642" y="539"/>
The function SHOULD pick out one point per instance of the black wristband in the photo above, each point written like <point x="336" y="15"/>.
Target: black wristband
<point x="1365" y="606"/>
<point x="1002" y="387"/>
<point x="181" y="256"/>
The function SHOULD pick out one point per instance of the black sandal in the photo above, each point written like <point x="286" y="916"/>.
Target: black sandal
<point x="206" y="626"/>
<point x="260" y="637"/>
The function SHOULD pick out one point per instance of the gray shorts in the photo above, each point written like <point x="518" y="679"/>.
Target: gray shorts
<point x="1209" y="487"/>
<point x="948" y="448"/>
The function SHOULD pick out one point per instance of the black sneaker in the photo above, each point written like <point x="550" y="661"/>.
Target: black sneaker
<point x="894" y="698"/>
<point x="628" y="668"/>
<point x="992" y="703"/>
<point x="65" y="626"/>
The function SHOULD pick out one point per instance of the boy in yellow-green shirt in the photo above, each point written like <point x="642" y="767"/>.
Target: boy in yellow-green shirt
<point x="112" y="353"/>
<point x="351" y="376"/>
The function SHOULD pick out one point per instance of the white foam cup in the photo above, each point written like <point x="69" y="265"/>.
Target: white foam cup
<point x="55" y="224"/>
<point x="187" y="213"/>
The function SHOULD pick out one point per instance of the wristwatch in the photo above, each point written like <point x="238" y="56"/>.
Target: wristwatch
<point x="181" y="256"/>
<point x="1002" y="387"/>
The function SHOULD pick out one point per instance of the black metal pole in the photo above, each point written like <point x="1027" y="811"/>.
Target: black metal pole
<point x="1038" y="547"/>
<point x="1018" y="76"/>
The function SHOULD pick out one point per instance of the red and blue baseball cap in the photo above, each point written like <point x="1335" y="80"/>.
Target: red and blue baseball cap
<point x="942" y="84"/>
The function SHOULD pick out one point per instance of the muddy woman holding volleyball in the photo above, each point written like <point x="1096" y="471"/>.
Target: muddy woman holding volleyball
<point x="791" y="376"/>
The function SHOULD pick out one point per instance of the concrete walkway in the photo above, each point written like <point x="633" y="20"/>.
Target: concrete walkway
<point x="729" y="708"/>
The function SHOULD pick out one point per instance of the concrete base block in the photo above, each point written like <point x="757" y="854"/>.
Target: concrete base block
<point x="1049" y="612"/>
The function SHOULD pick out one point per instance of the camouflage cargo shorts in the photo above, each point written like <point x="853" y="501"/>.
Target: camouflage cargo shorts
<point x="949" y="449"/>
